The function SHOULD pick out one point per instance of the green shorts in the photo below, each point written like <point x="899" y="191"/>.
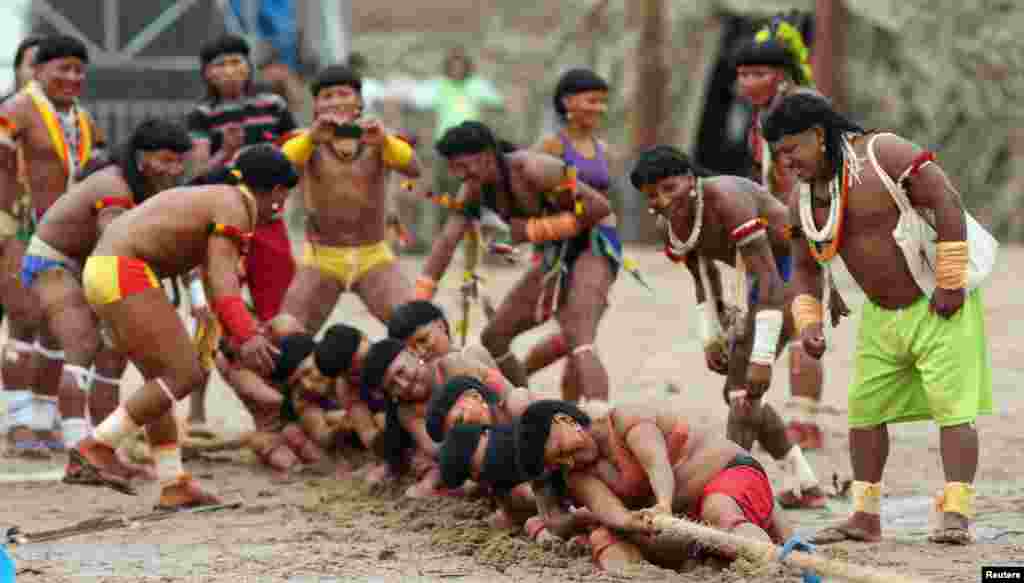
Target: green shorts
<point x="912" y="365"/>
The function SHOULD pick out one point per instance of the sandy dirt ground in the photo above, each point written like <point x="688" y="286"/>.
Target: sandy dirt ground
<point x="316" y="529"/>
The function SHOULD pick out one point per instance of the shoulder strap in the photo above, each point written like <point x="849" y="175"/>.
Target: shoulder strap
<point x="894" y="189"/>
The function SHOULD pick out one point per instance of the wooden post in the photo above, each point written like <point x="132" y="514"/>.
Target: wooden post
<point x="829" y="49"/>
<point x="651" y="102"/>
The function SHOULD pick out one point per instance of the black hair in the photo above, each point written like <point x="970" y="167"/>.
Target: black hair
<point x="294" y="349"/>
<point x="382" y="353"/>
<point x="533" y="429"/>
<point x="264" y="167"/>
<point x="801" y="111"/>
<point x="444" y="398"/>
<point x="60" y="46"/>
<point x="661" y="162"/>
<point x="336" y="349"/>
<point x="460" y="54"/>
<point x="30" y="41"/>
<point x="227" y="44"/>
<point x="773" y="51"/>
<point x="576" y="81"/>
<point x="406" y="318"/>
<point x="455" y="456"/>
<point x="337" y="75"/>
<point x="473" y="137"/>
<point x="223" y="45"/>
<point x="150" y="135"/>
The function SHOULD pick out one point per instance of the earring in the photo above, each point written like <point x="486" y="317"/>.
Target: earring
<point x="822" y="146"/>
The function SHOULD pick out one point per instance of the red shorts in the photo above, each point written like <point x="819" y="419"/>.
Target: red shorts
<point x="749" y="487"/>
<point x="269" y="268"/>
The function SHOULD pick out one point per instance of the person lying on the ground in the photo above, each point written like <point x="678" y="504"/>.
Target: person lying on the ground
<point x="404" y="381"/>
<point x="424" y="328"/>
<point x="466" y="399"/>
<point x="485" y="454"/>
<point x="629" y="463"/>
<point x="301" y="409"/>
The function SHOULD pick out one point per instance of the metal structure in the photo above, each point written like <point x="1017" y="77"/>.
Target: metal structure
<point x="144" y="55"/>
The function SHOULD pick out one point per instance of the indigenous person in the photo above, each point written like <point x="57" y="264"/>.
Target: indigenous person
<point x="540" y="198"/>
<point x="399" y="383"/>
<point x="627" y="463"/>
<point x="769" y="66"/>
<point x="922" y="352"/>
<point x="235" y="114"/>
<point x="722" y="218"/>
<point x="170" y="234"/>
<point x="24" y="66"/>
<point x="45" y="139"/>
<point x="149" y="162"/>
<point x="486" y="455"/>
<point x="311" y="412"/>
<point x="424" y="329"/>
<point x="345" y="162"/>
<point x="581" y="102"/>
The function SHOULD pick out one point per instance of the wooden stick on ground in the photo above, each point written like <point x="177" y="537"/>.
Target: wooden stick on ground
<point x="760" y="551"/>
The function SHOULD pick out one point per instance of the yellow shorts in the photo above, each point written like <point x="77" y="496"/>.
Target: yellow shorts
<point x="108" y="279"/>
<point x="347" y="264"/>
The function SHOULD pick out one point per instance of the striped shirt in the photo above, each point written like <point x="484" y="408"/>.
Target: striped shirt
<point x="265" y="117"/>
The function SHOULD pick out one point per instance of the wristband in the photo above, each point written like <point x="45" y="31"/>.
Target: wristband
<point x="951" y="265"/>
<point x="425" y="288"/>
<point x="235" y="318"/>
<point x="554" y="228"/>
<point x="710" y="327"/>
<point x="197" y="293"/>
<point x="767" y="328"/>
<point x="8" y="225"/>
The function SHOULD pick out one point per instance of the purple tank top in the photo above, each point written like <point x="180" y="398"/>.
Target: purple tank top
<point x="593" y="171"/>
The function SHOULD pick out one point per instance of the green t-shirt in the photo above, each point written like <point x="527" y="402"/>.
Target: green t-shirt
<point x="456" y="101"/>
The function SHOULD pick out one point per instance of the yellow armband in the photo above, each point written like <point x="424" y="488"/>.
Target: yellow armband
<point x="397" y="152"/>
<point x="8" y="226"/>
<point x="951" y="265"/>
<point x="299" y="149"/>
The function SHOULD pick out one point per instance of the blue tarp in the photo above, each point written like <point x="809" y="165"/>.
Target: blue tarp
<point x="275" y="22"/>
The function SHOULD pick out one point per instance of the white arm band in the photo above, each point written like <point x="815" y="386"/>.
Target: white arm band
<point x="710" y="327"/>
<point x="767" y="328"/>
<point x="196" y="293"/>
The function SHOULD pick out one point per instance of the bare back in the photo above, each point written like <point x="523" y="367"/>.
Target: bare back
<point x="171" y="230"/>
<point x="348" y="199"/>
<point x="71" y="224"/>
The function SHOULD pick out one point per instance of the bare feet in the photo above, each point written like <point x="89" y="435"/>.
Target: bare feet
<point x="22" y="442"/>
<point x="860" y="526"/>
<point x="185" y="493"/>
<point x="955" y="530"/>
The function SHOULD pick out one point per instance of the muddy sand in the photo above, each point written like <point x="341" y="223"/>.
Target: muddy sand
<point x="318" y="529"/>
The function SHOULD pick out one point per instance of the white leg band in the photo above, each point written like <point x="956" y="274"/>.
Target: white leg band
<point x="15" y="348"/>
<point x="802" y="471"/>
<point x="582" y="349"/>
<point x="867" y="497"/>
<point x="74" y="430"/>
<point x="44" y="413"/>
<point x="83" y="376"/>
<point x="47" y="353"/>
<point x="106" y="380"/>
<point x="710" y="329"/>
<point x="19" y="408"/>
<point x="805" y="409"/>
<point x="504" y="357"/>
<point x="168" y="463"/>
<point x="167" y="390"/>
<point x="116" y="428"/>
<point x="767" y="328"/>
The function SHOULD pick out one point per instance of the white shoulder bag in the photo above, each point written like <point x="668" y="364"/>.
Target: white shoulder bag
<point x="917" y="238"/>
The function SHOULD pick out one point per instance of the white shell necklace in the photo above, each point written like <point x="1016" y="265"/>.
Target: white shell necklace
<point x="684" y="247"/>
<point x="827" y="233"/>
